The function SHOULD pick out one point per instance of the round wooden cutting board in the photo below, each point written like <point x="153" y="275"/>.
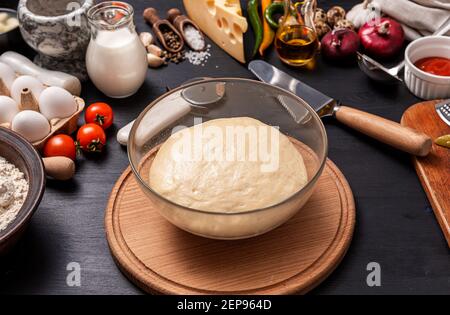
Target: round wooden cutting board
<point x="294" y="258"/>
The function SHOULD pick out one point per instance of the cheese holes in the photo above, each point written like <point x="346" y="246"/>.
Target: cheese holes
<point x="225" y="25"/>
<point x="236" y="32"/>
<point x="233" y="39"/>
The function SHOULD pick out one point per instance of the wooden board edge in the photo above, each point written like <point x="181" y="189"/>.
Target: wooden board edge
<point x="126" y="265"/>
<point x="437" y="209"/>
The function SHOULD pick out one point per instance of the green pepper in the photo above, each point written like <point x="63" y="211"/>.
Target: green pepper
<point x="252" y="8"/>
<point x="274" y="8"/>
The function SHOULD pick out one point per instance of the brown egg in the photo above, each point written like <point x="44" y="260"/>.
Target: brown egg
<point x="344" y="24"/>
<point x="322" y="28"/>
<point x="335" y="14"/>
<point x="320" y="15"/>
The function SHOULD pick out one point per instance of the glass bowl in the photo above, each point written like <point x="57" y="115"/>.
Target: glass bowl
<point x="209" y="99"/>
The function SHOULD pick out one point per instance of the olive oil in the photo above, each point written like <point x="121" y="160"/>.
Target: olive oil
<point x="296" y="45"/>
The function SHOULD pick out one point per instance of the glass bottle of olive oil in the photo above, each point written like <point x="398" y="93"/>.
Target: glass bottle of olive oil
<point x="296" y="40"/>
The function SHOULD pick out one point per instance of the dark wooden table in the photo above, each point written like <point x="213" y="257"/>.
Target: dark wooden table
<point x="395" y="224"/>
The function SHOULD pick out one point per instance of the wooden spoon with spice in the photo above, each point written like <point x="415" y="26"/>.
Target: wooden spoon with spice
<point x="191" y="33"/>
<point x="167" y="34"/>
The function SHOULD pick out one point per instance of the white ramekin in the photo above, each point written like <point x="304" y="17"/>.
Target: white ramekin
<point x="422" y="84"/>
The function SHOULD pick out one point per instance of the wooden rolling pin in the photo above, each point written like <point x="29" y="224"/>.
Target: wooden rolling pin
<point x="59" y="167"/>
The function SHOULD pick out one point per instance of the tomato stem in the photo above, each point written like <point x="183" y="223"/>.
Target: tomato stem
<point x="100" y="119"/>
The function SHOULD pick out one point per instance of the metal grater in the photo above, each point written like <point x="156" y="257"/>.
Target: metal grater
<point x="443" y="110"/>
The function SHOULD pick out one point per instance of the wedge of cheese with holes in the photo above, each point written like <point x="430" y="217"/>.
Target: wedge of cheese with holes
<point x="222" y="21"/>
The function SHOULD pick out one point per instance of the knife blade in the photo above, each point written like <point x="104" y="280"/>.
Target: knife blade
<point x="274" y="76"/>
<point x="384" y="130"/>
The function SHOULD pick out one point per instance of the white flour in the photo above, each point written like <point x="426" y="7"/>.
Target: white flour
<point x="13" y="191"/>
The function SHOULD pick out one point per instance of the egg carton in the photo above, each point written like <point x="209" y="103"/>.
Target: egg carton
<point x="66" y="125"/>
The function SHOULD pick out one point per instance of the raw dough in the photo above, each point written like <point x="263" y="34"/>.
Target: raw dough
<point x="228" y="184"/>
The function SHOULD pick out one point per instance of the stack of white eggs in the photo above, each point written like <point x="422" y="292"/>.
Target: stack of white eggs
<point x="54" y="103"/>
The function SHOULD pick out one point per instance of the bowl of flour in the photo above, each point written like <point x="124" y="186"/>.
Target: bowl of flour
<point x="22" y="183"/>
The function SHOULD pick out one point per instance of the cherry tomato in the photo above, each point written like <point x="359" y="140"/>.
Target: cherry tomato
<point x="91" y="138"/>
<point x="60" y="145"/>
<point x="100" y="114"/>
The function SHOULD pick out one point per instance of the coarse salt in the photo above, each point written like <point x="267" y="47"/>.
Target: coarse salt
<point x="198" y="58"/>
<point x="194" y="38"/>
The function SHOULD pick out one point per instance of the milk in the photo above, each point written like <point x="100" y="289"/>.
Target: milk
<point x="116" y="62"/>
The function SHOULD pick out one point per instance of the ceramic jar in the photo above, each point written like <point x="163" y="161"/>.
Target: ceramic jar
<point x="58" y="31"/>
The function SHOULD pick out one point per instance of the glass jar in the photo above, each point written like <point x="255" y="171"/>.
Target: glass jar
<point x="116" y="59"/>
<point x="296" y="41"/>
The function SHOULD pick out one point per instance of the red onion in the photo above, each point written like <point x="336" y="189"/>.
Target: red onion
<point x="383" y="38"/>
<point x="340" y="44"/>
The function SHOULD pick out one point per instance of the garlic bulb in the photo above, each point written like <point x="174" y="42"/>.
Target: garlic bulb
<point x="26" y="82"/>
<point x="8" y="109"/>
<point x="7" y="74"/>
<point x="55" y="102"/>
<point x="32" y="125"/>
<point x="364" y="12"/>
<point x="146" y="38"/>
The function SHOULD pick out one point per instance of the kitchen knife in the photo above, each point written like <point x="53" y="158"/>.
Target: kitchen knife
<point x="384" y="130"/>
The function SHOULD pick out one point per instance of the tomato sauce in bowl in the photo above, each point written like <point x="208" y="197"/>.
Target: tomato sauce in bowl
<point x="434" y="65"/>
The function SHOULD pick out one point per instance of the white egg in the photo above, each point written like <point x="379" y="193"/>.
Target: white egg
<point x="8" y="109"/>
<point x="55" y="102"/>
<point x="32" y="125"/>
<point x="26" y="82"/>
<point x="7" y="74"/>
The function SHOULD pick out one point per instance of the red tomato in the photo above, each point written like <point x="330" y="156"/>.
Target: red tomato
<point x="91" y="138"/>
<point x="60" y="145"/>
<point x="100" y="114"/>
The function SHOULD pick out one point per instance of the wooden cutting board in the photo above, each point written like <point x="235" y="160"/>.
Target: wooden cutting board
<point x="434" y="169"/>
<point x="294" y="258"/>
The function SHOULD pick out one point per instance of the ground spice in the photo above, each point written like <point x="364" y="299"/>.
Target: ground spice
<point x="13" y="191"/>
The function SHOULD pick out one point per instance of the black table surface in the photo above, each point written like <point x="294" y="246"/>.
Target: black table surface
<point x="395" y="225"/>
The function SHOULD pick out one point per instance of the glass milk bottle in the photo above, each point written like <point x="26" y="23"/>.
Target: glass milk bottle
<point x="116" y="59"/>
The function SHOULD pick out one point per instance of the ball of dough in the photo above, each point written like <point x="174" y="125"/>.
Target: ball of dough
<point x="201" y="168"/>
